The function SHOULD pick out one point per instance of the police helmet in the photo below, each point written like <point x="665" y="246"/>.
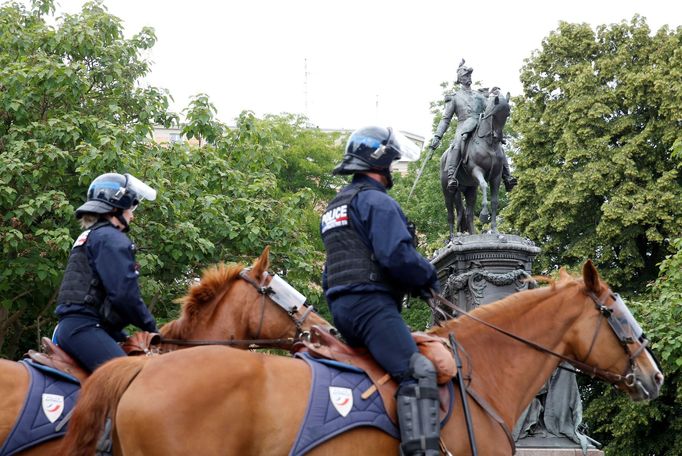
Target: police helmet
<point x="113" y="191"/>
<point x="374" y="149"/>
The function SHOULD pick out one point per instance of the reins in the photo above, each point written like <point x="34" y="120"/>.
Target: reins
<point x="592" y="371"/>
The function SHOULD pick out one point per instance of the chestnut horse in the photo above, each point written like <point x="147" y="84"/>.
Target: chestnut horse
<point x="230" y="305"/>
<point x="216" y="400"/>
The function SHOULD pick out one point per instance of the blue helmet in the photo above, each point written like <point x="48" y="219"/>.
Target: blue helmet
<point x="374" y="149"/>
<point x="112" y="191"/>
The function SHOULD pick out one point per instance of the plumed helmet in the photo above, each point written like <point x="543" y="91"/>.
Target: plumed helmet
<point x="113" y="191"/>
<point x="374" y="149"/>
<point x="462" y="71"/>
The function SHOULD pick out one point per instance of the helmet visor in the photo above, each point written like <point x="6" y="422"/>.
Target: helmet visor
<point x="142" y="190"/>
<point x="408" y="150"/>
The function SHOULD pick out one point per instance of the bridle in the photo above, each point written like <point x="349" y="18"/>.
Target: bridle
<point x="620" y="328"/>
<point x="265" y="291"/>
<point x="291" y="310"/>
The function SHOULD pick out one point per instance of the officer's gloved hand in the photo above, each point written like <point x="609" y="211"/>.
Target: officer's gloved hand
<point x="425" y="294"/>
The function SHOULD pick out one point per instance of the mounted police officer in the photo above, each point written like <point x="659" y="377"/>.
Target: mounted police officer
<point x="99" y="294"/>
<point x="371" y="263"/>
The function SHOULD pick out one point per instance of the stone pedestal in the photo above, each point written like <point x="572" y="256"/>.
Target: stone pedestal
<point x="557" y="452"/>
<point x="482" y="268"/>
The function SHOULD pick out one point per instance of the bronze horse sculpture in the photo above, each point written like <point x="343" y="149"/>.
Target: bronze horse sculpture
<point x="217" y="400"/>
<point x="231" y="305"/>
<point x="481" y="167"/>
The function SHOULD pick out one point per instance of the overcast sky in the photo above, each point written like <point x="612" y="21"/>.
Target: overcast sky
<point x="367" y="61"/>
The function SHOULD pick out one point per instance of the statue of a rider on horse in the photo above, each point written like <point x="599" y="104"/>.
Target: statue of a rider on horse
<point x="475" y="157"/>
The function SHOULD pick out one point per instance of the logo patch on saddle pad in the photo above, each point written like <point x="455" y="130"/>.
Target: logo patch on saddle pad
<point x="342" y="399"/>
<point x="53" y="406"/>
<point x="335" y="218"/>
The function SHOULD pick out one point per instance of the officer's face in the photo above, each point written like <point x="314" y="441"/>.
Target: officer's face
<point x="128" y="215"/>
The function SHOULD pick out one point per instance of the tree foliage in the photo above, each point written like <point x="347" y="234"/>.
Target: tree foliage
<point x="598" y="120"/>
<point x="71" y="108"/>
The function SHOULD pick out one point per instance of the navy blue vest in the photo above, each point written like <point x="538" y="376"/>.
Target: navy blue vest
<point x="80" y="285"/>
<point x="349" y="261"/>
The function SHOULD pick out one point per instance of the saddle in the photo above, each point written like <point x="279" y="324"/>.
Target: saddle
<point x="325" y="345"/>
<point x="140" y="343"/>
<point x="56" y="358"/>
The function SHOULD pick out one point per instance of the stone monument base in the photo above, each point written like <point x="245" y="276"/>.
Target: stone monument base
<point x="557" y="452"/>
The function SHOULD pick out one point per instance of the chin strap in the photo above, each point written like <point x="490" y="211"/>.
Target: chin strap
<point x="389" y="179"/>
<point x="119" y="216"/>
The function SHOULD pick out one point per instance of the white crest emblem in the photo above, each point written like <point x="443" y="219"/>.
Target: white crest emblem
<point x="342" y="399"/>
<point x="53" y="406"/>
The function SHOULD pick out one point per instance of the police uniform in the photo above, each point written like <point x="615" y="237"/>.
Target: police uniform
<point x="371" y="264"/>
<point x="99" y="296"/>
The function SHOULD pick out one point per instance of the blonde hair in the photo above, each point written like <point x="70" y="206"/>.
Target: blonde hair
<point x="87" y="220"/>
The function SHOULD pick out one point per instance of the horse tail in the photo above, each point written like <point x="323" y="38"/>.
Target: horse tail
<point x="97" y="401"/>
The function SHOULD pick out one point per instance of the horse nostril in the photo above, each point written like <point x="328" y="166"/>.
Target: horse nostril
<point x="658" y="378"/>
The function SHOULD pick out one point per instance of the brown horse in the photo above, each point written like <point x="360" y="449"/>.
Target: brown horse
<point x="230" y="305"/>
<point x="215" y="400"/>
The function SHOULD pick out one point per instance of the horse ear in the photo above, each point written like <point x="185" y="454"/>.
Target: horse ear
<point x="564" y="275"/>
<point x="591" y="277"/>
<point x="262" y="263"/>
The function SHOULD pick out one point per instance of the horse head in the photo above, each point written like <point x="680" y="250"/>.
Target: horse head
<point x="284" y="313"/>
<point x="494" y="117"/>
<point x="238" y="304"/>
<point x="607" y="341"/>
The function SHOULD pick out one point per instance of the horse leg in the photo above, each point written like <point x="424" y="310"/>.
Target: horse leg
<point x="494" y="200"/>
<point x="470" y="196"/>
<point x="483" y="185"/>
<point x="461" y="214"/>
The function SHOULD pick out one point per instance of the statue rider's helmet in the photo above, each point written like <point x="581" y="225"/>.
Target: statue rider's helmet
<point x="374" y="149"/>
<point x="463" y="71"/>
<point x="112" y="193"/>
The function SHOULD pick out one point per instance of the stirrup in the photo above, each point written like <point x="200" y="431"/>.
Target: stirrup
<point x="453" y="184"/>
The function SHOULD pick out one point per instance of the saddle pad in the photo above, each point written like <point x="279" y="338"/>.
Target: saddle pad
<point x="50" y="398"/>
<point x="335" y="405"/>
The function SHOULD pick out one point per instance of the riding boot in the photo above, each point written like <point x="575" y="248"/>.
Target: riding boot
<point x="452" y="164"/>
<point x="507" y="178"/>
<point x="418" y="410"/>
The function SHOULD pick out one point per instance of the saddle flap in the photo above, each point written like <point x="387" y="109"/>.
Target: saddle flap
<point x="57" y="358"/>
<point x="437" y="350"/>
<point x="141" y="343"/>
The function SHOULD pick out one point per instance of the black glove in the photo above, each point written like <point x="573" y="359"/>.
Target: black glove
<point x="425" y="294"/>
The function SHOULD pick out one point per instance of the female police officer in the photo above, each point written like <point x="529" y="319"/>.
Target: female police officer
<point x="371" y="263"/>
<point x="99" y="294"/>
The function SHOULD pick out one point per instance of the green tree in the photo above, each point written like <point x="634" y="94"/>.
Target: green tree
<point x="598" y="120"/>
<point x="69" y="108"/>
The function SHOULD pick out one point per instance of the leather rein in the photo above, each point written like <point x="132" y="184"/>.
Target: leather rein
<point x="628" y="376"/>
<point x="264" y="291"/>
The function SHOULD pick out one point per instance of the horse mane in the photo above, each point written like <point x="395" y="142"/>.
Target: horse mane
<point x="215" y="280"/>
